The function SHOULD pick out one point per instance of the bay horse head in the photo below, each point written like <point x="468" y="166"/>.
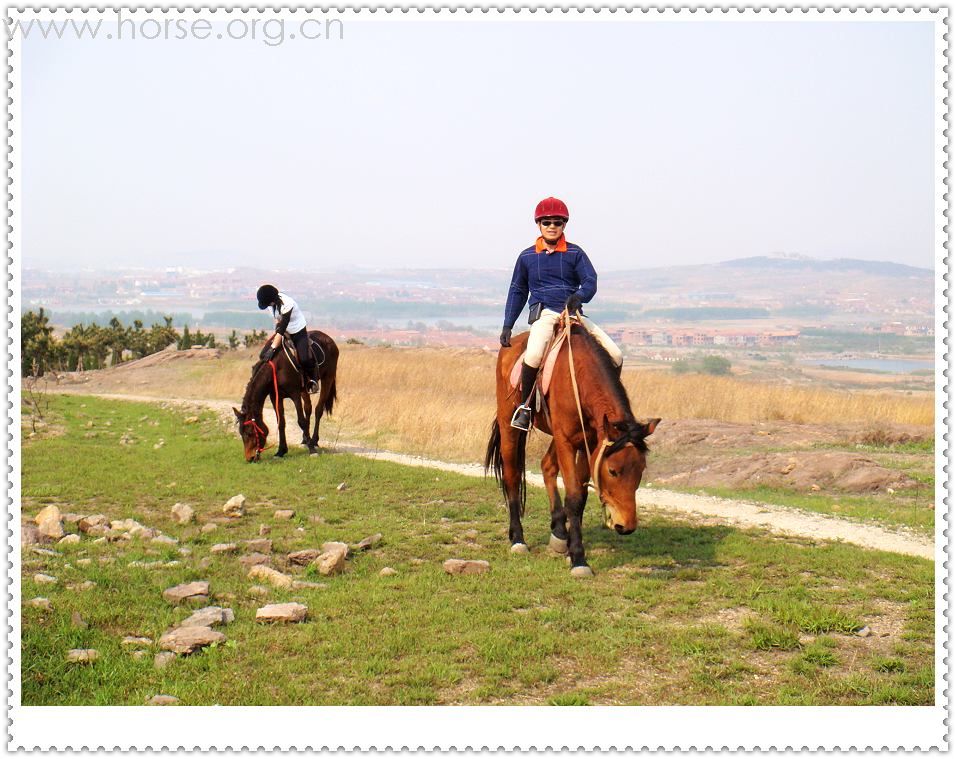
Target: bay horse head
<point x="618" y="467"/>
<point x="254" y="434"/>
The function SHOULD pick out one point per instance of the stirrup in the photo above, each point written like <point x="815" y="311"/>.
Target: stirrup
<point x="311" y="387"/>
<point x="524" y="422"/>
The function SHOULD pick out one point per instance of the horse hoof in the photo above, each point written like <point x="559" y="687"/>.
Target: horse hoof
<point x="519" y="548"/>
<point x="557" y="545"/>
<point x="583" y="571"/>
<point x="313" y="451"/>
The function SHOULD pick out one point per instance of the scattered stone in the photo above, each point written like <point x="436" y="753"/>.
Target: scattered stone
<point x="270" y="575"/>
<point x="304" y="585"/>
<point x="50" y="523"/>
<point x="814" y="487"/>
<point x="261" y="545"/>
<point x="284" y="514"/>
<point x="187" y="591"/>
<point x="85" y="585"/>
<point x="288" y="612"/>
<point x="235" y="507"/>
<point x="335" y="545"/>
<point x="146" y="533"/>
<point x="164" y="540"/>
<point x="416" y="562"/>
<point x="342" y="487"/>
<point x="191" y="420"/>
<point x="136" y="641"/>
<point x="43" y="551"/>
<point x="82" y="655"/>
<point x="264" y="530"/>
<point x="387" y="572"/>
<point x="224" y="548"/>
<point x="126" y="439"/>
<point x="84" y="562"/>
<point x="182" y="513"/>
<point x="185" y="640"/>
<point x="304" y="558"/>
<point x="864" y="632"/>
<point x="99" y="541"/>
<point x="96" y="520"/>
<point x="68" y="540"/>
<point x="259" y="590"/>
<point x="365" y="543"/>
<point x="470" y="534"/>
<point x="210" y="616"/>
<point x="139" y="654"/>
<point x="40" y="603"/>
<point x="29" y="534"/>
<point x="163" y="658"/>
<point x="466" y="566"/>
<point x="254" y="559"/>
<point x="162" y="700"/>
<point x="330" y="562"/>
<point x="124" y="525"/>
<point x="72" y="518"/>
<point x="78" y="622"/>
<point x="208" y="527"/>
<point x="43" y="579"/>
<point x="159" y="444"/>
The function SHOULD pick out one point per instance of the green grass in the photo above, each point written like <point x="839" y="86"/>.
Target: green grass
<point x="901" y="509"/>
<point x="677" y="613"/>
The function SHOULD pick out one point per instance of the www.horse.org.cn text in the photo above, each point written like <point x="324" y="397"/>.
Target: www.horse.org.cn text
<point x="270" y="31"/>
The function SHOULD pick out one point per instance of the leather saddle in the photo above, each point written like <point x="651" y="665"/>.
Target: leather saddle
<point x="290" y="352"/>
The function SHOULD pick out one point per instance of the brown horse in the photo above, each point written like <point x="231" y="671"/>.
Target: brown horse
<point x="279" y="373"/>
<point x="613" y="457"/>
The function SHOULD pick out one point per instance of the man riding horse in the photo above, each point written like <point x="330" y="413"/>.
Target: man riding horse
<point x="557" y="274"/>
<point x="289" y="319"/>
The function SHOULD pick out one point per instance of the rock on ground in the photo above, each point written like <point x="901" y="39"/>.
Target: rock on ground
<point x="330" y="562"/>
<point x="50" y="523"/>
<point x="387" y="572"/>
<point x="164" y="540"/>
<point x="187" y="591"/>
<point x="43" y="579"/>
<point x="29" y="534"/>
<point x="365" y="543"/>
<point x="224" y="548"/>
<point x="208" y="527"/>
<point x="284" y="514"/>
<point x="162" y="700"/>
<point x="254" y="559"/>
<point x="288" y="612"/>
<point x="136" y="641"/>
<point x="82" y="655"/>
<point x="270" y="575"/>
<point x="182" y="513"/>
<point x="209" y="616"/>
<point x="163" y="658"/>
<point x="466" y="566"/>
<point x="259" y="545"/>
<point x="305" y="557"/>
<point x="185" y="640"/>
<point x="93" y="524"/>
<point x="235" y="507"/>
<point x="40" y="603"/>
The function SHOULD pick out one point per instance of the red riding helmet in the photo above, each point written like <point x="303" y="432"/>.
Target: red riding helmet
<point x="551" y="207"/>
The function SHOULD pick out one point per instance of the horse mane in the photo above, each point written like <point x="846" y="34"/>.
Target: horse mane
<point x="611" y="384"/>
<point x="247" y="395"/>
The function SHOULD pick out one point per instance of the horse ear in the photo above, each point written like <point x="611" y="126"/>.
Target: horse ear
<point x="649" y="426"/>
<point x="237" y="413"/>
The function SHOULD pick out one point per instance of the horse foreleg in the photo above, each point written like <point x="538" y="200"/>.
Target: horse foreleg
<point x="559" y="517"/>
<point x="280" y="423"/>
<point x="324" y="390"/>
<point x="301" y="416"/>
<point x="576" y="496"/>
<point x="512" y="474"/>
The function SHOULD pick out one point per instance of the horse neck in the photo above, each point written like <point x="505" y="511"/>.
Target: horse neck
<point x="258" y="389"/>
<point x="601" y="391"/>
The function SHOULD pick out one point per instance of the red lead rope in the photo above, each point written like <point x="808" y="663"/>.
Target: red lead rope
<point x="275" y="384"/>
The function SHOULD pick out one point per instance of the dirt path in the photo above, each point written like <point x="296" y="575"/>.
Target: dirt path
<point x="778" y="520"/>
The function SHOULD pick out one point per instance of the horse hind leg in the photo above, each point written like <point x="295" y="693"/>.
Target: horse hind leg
<point x="303" y="410"/>
<point x="558" y="542"/>
<point x="512" y="480"/>
<point x="280" y="423"/>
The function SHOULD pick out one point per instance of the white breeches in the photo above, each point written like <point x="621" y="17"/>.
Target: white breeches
<point x="542" y="330"/>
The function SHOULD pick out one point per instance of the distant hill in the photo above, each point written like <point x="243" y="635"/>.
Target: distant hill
<point x="880" y="268"/>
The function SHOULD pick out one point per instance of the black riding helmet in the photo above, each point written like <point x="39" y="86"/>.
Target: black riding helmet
<point x="267" y="295"/>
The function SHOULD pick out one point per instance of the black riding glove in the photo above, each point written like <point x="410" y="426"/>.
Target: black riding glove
<point x="573" y="303"/>
<point x="505" y="338"/>
<point x="267" y="352"/>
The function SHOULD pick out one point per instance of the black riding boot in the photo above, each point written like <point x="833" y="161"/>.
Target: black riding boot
<point x="522" y="416"/>
<point x="312" y="377"/>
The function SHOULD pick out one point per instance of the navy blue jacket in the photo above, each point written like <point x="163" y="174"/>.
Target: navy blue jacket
<point x="549" y="278"/>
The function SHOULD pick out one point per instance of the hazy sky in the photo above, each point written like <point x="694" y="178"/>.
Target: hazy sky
<point x="429" y="143"/>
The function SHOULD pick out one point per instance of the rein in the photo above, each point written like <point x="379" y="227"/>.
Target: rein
<point x="275" y="384"/>
<point x="594" y="480"/>
<point x="261" y="436"/>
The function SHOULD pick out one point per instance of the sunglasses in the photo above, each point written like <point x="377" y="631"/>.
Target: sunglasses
<point x="552" y="222"/>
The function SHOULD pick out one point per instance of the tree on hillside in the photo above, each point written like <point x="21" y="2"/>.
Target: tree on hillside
<point x="233" y="340"/>
<point x="254" y="338"/>
<point x="37" y="344"/>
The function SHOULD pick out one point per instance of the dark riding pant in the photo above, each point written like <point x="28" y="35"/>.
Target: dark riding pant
<point x="304" y="350"/>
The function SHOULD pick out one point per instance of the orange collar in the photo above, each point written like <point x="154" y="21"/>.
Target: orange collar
<point x="561" y="247"/>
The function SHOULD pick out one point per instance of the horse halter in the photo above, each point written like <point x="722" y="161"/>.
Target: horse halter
<point x="261" y="436"/>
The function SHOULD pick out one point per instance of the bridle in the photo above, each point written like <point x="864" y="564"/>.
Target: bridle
<point x="261" y="436"/>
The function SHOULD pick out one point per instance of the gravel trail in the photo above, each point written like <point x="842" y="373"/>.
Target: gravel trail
<point x="778" y="520"/>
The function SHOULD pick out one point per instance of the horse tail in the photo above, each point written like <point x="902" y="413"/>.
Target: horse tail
<point x="495" y="463"/>
<point x="330" y="398"/>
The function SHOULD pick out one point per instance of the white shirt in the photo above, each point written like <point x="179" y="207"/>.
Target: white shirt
<point x="296" y="321"/>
